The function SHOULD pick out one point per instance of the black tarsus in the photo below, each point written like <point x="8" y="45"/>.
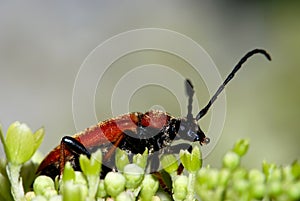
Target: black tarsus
<point x="229" y="77"/>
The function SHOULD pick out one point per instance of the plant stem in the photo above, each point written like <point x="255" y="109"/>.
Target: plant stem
<point x="191" y="187"/>
<point x="13" y="172"/>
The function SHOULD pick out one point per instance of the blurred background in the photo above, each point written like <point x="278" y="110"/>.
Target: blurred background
<point x="43" y="44"/>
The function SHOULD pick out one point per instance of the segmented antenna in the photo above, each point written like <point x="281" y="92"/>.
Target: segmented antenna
<point x="203" y="112"/>
<point x="189" y="88"/>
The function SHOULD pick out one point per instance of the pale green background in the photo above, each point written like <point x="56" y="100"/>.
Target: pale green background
<point x="42" y="46"/>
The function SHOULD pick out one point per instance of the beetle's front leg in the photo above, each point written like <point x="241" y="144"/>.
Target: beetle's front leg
<point x="72" y="145"/>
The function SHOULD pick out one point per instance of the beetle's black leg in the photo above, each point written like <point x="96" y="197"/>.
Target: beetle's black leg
<point x="72" y="145"/>
<point x="154" y="165"/>
<point x="153" y="160"/>
<point x="163" y="184"/>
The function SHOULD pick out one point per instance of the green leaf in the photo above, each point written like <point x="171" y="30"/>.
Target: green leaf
<point x="5" y="188"/>
<point x="38" y="137"/>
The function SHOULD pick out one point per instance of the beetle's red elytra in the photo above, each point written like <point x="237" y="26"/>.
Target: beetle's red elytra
<point x="134" y="132"/>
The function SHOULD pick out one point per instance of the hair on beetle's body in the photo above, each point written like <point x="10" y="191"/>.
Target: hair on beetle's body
<point x="134" y="132"/>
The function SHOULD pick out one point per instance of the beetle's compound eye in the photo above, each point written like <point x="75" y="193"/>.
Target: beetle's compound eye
<point x="207" y="140"/>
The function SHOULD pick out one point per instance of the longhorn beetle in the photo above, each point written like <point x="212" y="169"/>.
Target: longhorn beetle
<point x="134" y="132"/>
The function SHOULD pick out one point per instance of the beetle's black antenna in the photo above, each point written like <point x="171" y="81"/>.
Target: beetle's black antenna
<point x="203" y="112"/>
<point x="189" y="88"/>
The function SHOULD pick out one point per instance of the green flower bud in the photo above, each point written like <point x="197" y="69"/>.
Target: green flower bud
<point x="275" y="175"/>
<point x="20" y="143"/>
<point x="169" y="163"/>
<point x="56" y="198"/>
<point x="294" y="191"/>
<point x="50" y="193"/>
<point x="114" y="183"/>
<point x="287" y="174"/>
<point x="29" y="195"/>
<point x="212" y="180"/>
<point x="69" y="173"/>
<point x="141" y="159"/>
<point x="223" y="177"/>
<point x="162" y="195"/>
<point x="121" y="159"/>
<point x="134" y="175"/>
<point x="101" y="193"/>
<point x="43" y="184"/>
<point x="258" y="190"/>
<point x="191" y="161"/>
<point x="73" y="192"/>
<point x="39" y="198"/>
<point x="296" y="169"/>
<point x="156" y="198"/>
<point x="274" y="188"/>
<point x="231" y="160"/>
<point x="241" y="186"/>
<point x="149" y="188"/>
<point x="80" y="178"/>
<point x="128" y="196"/>
<point x="180" y="187"/>
<point x="91" y="166"/>
<point x="241" y="147"/>
<point x="239" y="174"/>
<point x="202" y="176"/>
<point x="207" y="177"/>
<point x="255" y="176"/>
<point x="268" y="168"/>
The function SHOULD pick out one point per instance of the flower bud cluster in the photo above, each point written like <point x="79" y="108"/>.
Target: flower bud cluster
<point x="130" y="182"/>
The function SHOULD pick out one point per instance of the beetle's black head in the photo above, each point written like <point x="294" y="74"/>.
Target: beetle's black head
<point x="190" y="130"/>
